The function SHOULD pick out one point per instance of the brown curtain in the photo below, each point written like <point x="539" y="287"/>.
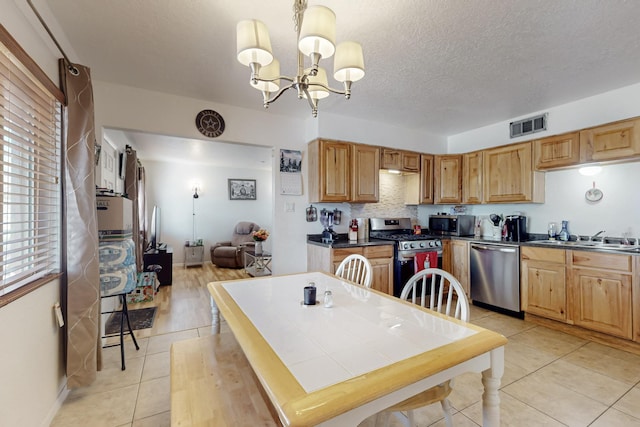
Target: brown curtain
<point x="142" y="206"/>
<point x="81" y="290"/>
<point x="131" y="188"/>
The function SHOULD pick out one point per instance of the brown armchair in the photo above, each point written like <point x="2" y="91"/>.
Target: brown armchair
<point x="230" y="253"/>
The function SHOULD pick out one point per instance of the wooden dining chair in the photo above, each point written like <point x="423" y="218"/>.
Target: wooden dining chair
<point x="437" y="290"/>
<point x="356" y="268"/>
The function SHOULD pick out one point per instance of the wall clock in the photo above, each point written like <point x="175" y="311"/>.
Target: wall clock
<point x="210" y="123"/>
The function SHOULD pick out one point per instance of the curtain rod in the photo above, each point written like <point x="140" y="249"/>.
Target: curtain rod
<point x="72" y="69"/>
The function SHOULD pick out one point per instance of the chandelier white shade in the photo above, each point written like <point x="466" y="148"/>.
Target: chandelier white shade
<point x="253" y="43"/>
<point x="348" y="64"/>
<point x="316" y="30"/>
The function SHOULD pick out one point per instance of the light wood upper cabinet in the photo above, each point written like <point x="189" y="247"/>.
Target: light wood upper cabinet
<point x="365" y="175"/>
<point x="508" y="175"/>
<point x="615" y="141"/>
<point x="406" y="161"/>
<point x="391" y="159"/>
<point x="472" y="177"/>
<point x="329" y="171"/>
<point x="410" y="161"/>
<point x="544" y="282"/>
<point x="557" y="151"/>
<point x="601" y="297"/>
<point x="426" y="178"/>
<point x="447" y="181"/>
<point x="419" y="186"/>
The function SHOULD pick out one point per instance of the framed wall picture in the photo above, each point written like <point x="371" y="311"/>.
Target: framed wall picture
<point x="242" y="189"/>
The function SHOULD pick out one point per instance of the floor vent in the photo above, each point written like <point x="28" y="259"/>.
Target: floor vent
<point x="527" y="126"/>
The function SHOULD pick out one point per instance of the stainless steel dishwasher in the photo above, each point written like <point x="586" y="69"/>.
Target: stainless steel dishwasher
<point x="495" y="276"/>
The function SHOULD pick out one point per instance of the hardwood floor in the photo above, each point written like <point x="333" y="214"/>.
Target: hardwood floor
<point x="186" y="303"/>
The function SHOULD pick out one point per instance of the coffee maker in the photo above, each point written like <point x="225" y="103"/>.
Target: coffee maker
<point x="516" y="228"/>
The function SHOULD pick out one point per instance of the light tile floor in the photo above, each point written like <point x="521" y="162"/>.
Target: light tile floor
<point x="551" y="379"/>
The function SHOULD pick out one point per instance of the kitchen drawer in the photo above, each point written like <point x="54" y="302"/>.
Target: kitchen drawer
<point x="543" y="254"/>
<point x="371" y="252"/>
<point x="599" y="260"/>
<point x="341" y="253"/>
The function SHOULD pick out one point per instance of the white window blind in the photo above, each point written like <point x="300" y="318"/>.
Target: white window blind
<point x="30" y="144"/>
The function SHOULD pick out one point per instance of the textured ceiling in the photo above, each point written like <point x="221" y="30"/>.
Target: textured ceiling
<point x="442" y="66"/>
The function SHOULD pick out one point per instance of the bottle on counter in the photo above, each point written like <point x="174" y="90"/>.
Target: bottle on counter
<point x="353" y="231"/>
<point x="564" y="231"/>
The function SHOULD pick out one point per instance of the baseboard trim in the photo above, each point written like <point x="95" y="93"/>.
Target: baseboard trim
<point x="599" y="337"/>
<point x="62" y="396"/>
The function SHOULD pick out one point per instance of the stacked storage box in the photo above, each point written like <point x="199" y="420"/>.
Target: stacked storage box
<point x="118" y="274"/>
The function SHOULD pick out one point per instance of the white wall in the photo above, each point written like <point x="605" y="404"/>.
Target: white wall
<point x="31" y="372"/>
<point x="32" y="368"/>
<point x="616" y="213"/>
<point x="129" y="108"/>
<point x="599" y="109"/>
<point x="169" y="187"/>
<point x="374" y="133"/>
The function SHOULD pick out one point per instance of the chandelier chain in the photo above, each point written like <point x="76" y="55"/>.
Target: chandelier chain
<point x="299" y="6"/>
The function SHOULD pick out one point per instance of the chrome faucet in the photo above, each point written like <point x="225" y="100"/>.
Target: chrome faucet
<point x="591" y="238"/>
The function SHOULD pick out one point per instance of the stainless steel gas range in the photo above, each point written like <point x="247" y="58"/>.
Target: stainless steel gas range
<point x="407" y="246"/>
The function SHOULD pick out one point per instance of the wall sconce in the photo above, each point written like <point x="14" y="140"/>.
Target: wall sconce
<point x="196" y="188"/>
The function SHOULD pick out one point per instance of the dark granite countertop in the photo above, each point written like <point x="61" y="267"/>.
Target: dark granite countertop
<point x="539" y="240"/>
<point x="343" y="241"/>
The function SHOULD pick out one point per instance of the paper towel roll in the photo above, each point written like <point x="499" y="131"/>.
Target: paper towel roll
<point x="363" y="228"/>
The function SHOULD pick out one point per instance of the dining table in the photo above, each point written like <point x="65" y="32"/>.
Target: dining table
<point x="339" y="363"/>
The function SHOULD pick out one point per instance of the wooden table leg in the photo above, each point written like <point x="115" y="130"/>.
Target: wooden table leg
<point x="491" y="382"/>
<point x="215" y="317"/>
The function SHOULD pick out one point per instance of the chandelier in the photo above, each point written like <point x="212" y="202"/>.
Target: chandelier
<point x="316" y="30"/>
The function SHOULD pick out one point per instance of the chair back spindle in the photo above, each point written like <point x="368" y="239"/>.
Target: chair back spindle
<point x="355" y="268"/>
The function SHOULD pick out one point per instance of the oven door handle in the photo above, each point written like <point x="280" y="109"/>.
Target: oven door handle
<point x="495" y="248"/>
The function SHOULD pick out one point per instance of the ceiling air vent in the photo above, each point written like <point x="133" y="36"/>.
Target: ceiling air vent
<point x="527" y="126"/>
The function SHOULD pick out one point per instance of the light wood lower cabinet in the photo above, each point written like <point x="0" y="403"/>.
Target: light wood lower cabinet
<point x="321" y="258"/>
<point x="600" y="292"/>
<point x="543" y="282"/>
<point x="593" y="290"/>
<point x="460" y="262"/>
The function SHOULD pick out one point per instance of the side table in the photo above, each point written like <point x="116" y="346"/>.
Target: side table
<point x="257" y="264"/>
<point x="193" y="255"/>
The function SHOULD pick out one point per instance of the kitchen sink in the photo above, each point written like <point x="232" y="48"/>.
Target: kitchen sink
<point x="587" y="244"/>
